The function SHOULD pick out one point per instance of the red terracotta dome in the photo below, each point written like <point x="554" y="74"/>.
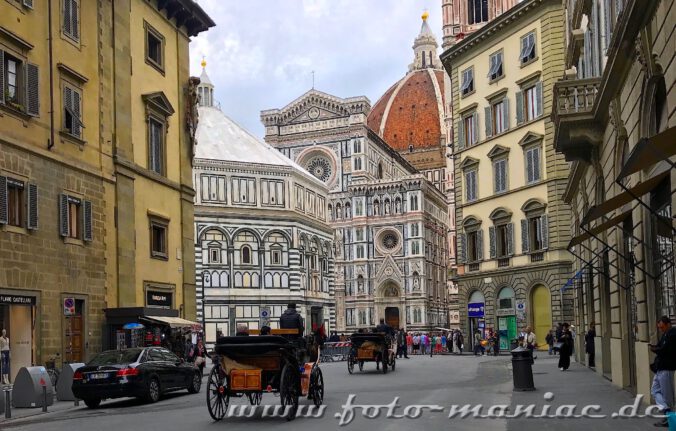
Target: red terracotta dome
<point x="411" y="112"/>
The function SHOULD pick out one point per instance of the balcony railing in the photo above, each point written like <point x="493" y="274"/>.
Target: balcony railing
<point x="537" y="257"/>
<point x="473" y="266"/>
<point x="503" y="262"/>
<point x="576" y="96"/>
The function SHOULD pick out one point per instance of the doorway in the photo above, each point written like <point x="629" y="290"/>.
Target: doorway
<point x="316" y="318"/>
<point x="542" y="314"/>
<point x="74" y="351"/>
<point x="392" y="317"/>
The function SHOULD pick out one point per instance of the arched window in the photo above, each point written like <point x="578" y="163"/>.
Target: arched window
<point x="246" y="254"/>
<point x="380" y="171"/>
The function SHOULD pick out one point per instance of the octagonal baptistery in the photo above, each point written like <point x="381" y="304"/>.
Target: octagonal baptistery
<point x="410" y="115"/>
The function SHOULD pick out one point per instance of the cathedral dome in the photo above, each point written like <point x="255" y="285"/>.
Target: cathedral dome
<point x="410" y="115"/>
<point x="411" y="112"/>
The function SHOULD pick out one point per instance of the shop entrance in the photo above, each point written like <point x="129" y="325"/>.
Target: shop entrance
<point x="74" y="334"/>
<point x="392" y="317"/>
<point x="542" y="314"/>
<point x="17" y="317"/>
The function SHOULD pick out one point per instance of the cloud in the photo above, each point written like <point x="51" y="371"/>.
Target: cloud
<point x="261" y="53"/>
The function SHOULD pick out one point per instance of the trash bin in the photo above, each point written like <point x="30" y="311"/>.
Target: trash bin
<point x="27" y="389"/>
<point x="522" y="371"/>
<point x="513" y="344"/>
<point x="64" y="386"/>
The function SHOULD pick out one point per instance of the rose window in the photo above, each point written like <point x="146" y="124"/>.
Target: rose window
<point x="390" y="241"/>
<point x="320" y="167"/>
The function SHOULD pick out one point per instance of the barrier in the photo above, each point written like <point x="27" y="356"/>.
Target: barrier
<point x="28" y="388"/>
<point x="336" y="351"/>
<point x="64" y="386"/>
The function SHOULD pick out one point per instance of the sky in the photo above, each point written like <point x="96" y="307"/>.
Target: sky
<point x="261" y="53"/>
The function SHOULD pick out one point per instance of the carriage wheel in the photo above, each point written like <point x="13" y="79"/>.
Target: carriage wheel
<point x="350" y="364"/>
<point x="289" y="390"/>
<point x="218" y="395"/>
<point x="317" y="386"/>
<point x="255" y="398"/>
<point x="393" y="364"/>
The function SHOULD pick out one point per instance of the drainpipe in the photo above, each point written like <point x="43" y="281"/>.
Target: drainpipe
<point x="50" y="143"/>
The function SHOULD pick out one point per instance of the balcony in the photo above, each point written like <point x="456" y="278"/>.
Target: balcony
<point x="577" y="131"/>
<point x="537" y="257"/>
<point x="473" y="267"/>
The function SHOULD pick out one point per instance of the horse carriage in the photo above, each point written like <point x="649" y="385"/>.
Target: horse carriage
<point x="376" y="347"/>
<point x="280" y="363"/>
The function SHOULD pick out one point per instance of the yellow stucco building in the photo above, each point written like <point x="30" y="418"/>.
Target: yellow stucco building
<point x="90" y="219"/>
<point x="511" y="222"/>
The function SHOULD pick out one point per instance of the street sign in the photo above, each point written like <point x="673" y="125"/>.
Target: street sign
<point x="68" y="306"/>
<point x="265" y="317"/>
<point x="520" y="309"/>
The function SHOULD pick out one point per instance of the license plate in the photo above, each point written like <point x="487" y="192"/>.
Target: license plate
<point x="98" y="376"/>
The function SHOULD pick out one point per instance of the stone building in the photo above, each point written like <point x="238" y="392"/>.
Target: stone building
<point x="261" y="229"/>
<point x="614" y="118"/>
<point x="390" y="221"/>
<point x="74" y="191"/>
<point x="512" y="223"/>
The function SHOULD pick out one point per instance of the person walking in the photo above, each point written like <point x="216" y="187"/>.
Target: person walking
<point x="460" y="342"/>
<point x="416" y="344"/>
<point x="444" y="342"/>
<point x="433" y="343"/>
<point x="477" y="343"/>
<point x="425" y="343"/>
<point x="566" y="350"/>
<point x="549" y="339"/>
<point x="530" y="343"/>
<point x="401" y="344"/>
<point x="664" y="365"/>
<point x="590" y="346"/>
<point x="199" y="356"/>
<point x="409" y="344"/>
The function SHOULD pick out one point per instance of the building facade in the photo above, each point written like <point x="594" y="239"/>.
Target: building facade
<point x="615" y="123"/>
<point x="67" y="218"/>
<point x="389" y="220"/>
<point x="513" y="228"/>
<point x="262" y="235"/>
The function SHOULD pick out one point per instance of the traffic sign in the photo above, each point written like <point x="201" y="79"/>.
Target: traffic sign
<point x="68" y="306"/>
<point x="264" y="317"/>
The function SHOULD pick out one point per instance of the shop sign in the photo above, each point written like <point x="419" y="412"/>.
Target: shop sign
<point x="68" y="306"/>
<point x="17" y="300"/>
<point x="506" y="312"/>
<point x="521" y="309"/>
<point x="475" y="309"/>
<point x="159" y="299"/>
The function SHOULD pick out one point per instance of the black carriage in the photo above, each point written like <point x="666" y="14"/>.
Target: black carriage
<point x="375" y="347"/>
<point x="253" y="365"/>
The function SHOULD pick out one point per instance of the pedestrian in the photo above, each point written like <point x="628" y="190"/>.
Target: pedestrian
<point x="444" y="342"/>
<point x="199" y="356"/>
<point x="401" y="343"/>
<point x="409" y="344"/>
<point x="477" y="343"/>
<point x="664" y="365"/>
<point x="573" y="334"/>
<point x="559" y="331"/>
<point x="491" y="342"/>
<point x="424" y="343"/>
<point x="566" y="350"/>
<point x="530" y="342"/>
<point x="460" y="343"/>
<point x="549" y="339"/>
<point x="416" y="344"/>
<point x="496" y="347"/>
<point x="590" y="346"/>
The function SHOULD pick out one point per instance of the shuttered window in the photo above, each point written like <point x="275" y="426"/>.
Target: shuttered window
<point x="532" y="102"/>
<point x="154" y="47"/>
<point x="72" y="111"/>
<point x="471" y="185"/>
<point x="528" y="51"/>
<point x="156" y="146"/>
<point x="159" y="238"/>
<point x="500" y="175"/>
<point x="533" y="165"/>
<point x="467" y="85"/>
<point x="71" y="19"/>
<point x="495" y="70"/>
<point x="75" y="218"/>
<point x="19" y="84"/>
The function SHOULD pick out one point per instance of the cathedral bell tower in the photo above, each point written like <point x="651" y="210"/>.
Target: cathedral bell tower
<point x="425" y="48"/>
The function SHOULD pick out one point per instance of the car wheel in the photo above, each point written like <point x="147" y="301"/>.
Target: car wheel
<point x="195" y="384"/>
<point x="92" y="403"/>
<point x="153" y="395"/>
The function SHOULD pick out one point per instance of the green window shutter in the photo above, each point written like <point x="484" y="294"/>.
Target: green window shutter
<point x="32" y="90"/>
<point x="505" y="113"/>
<point x="538" y="96"/>
<point x="87" y="220"/>
<point x="4" y="216"/>
<point x="525" y="243"/>
<point x="32" y="207"/>
<point x="519" y="107"/>
<point x="480" y="244"/>
<point x="544" y="225"/>
<point x="492" y="242"/>
<point x="2" y="77"/>
<point x="461" y="134"/>
<point x="63" y="215"/>
<point x="510" y="239"/>
<point x="489" y="121"/>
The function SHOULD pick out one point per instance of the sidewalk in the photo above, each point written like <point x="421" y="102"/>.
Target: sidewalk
<point x="578" y="386"/>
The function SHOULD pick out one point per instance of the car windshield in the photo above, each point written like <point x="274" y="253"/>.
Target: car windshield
<point x="114" y="357"/>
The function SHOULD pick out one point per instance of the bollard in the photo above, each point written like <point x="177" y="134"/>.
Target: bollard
<point x="44" y="399"/>
<point x="8" y="403"/>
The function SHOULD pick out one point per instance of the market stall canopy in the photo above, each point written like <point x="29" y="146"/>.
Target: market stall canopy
<point x="173" y="322"/>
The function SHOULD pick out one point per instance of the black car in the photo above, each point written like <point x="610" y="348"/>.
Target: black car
<point x="136" y="372"/>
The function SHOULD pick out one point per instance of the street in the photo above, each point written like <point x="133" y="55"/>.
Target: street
<point x="421" y="381"/>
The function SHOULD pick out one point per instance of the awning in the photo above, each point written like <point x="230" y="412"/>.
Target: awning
<point x="590" y="233"/>
<point x="173" y="322"/>
<point x="623" y="198"/>
<point x="649" y="151"/>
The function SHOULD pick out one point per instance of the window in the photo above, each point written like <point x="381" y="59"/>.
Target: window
<point x="527" y="53"/>
<point x="272" y="192"/>
<point x="380" y="171"/>
<point x="357" y="164"/>
<point x="467" y="86"/>
<point x="72" y="111"/>
<point x="19" y="84"/>
<point x="158" y="238"/>
<point x="18" y="203"/>
<point x="500" y="175"/>
<point x="12" y="67"/>
<point x="154" y="47"/>
<point x="357" y="146"/>
<point x="531" y="104"/>
<point x="413" y="203"/>
<point x="467" y="133"/>
<point x="276" y="257"/>
<point x="415" y="229"/>
<point x="244" y="191"/>
<point x="470" y="185"/>
<point x="415" y="247"/>
<point x="358" y="208"/>
<point x="359" y="234"/>
<point x="246" y="255"/>
<point x="533" y="165"/>
<point x="535" y="229"/>
<point x="71" y="20"/>
<point x="534" y="233"/>
<point x="349" y="316"/>
<point x="360" y="252"/>
<point x="477" y="11"/>
<point x="15" y="203"/>
<point x="156" y="146"/>
<point x="214" y="255"/>
<point x="75" y="218"/>
<point x="497" y="117"/>
<point x="473" y="246"/>
<point x="501" y="240"/>
<point x="495" y="66"/>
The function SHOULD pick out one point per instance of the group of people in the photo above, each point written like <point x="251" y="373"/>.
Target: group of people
<point x="486" y="346"/>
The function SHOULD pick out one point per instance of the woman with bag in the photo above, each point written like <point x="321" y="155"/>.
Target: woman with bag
<point x="199" y="356"/>
<point x="566" y="350"/>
